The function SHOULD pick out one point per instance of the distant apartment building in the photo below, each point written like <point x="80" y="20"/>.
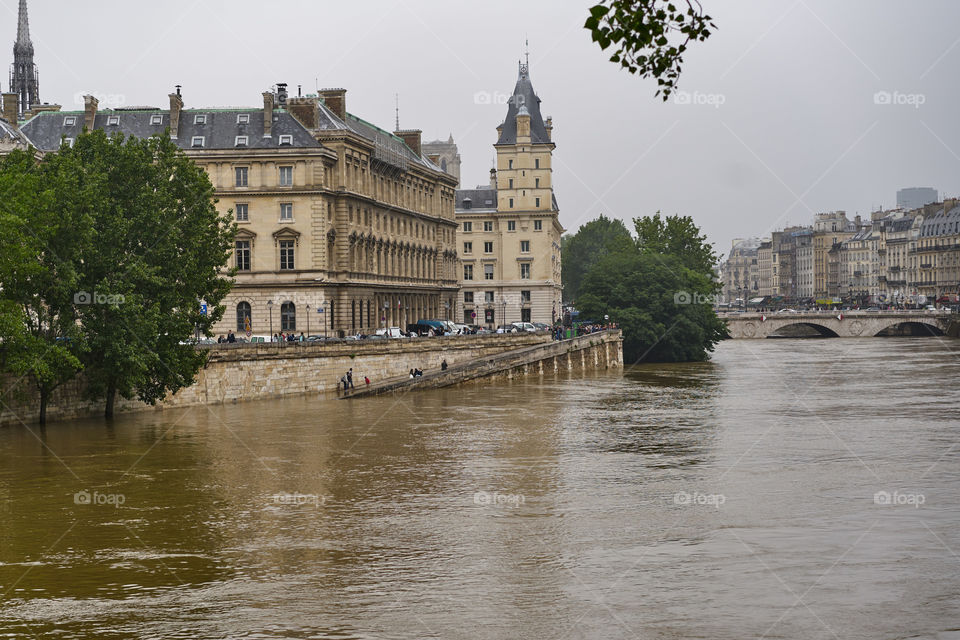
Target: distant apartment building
<point x="765" y="268"/>
<point x="829" y="229"/>
<point x="916" y="197"/>
<point x="804" y="265"/>
<point x="938" y="255"/>
<point x="740" y="272"/>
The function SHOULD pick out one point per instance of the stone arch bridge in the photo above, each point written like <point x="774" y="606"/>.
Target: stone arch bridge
<point x="846" y="324"/>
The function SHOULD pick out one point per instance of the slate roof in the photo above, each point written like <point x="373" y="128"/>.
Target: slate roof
<point x="942" y="224"/>
<point x="220" y="130"/>
<point x="524" y="97"/>
<point x="329" y="121"/>
<point x="482" y="198"/>
<point x="7" y="132"/>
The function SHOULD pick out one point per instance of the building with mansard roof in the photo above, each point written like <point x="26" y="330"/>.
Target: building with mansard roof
<point x="509" y="231"/>
<point x="343" y="227"/>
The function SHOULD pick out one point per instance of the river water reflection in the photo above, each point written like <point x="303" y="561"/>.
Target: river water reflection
<point x="740" y="498"/>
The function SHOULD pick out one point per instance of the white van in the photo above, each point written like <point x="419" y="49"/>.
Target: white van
<point x="525" y="326"/>
<point x="390" y="332"/>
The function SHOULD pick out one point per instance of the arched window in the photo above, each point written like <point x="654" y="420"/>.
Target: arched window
<point x="288" y="317"/>
<point x="244" y="318"/>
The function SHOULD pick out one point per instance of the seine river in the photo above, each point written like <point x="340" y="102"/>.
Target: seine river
<point x="799" y="489"/>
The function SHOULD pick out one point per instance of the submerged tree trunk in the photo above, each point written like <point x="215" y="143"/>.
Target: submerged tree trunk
<point x="111" y="400"/>
<point x="44" y="399"/>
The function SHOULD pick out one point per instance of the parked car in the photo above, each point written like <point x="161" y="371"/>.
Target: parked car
<point x="391" y="332"/>
<point x="787" y="311"/>
<point x="541" y="326"/>
<point x="508" y="328"/>
<point x="423" y="327"/>
<point x="525" y="326"/>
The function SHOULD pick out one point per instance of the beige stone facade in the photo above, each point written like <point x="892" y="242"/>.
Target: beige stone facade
<point x="509" y="231"/>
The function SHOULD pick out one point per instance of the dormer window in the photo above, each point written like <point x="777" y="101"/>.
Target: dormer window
<point x="156" y="119"/>
<point x="68" y="142"/>
<point x="200" y="119"/>
<point x="242" y="141"/>
<point x="286" y="140"/>
<point x="70" y="121"/>
<point x="197" y="141"/>
<point x="243" y="118"/>
<point x="113" y="121"/>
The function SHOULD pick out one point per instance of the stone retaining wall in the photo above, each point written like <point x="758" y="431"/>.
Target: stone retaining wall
<point x="237" y="373"/>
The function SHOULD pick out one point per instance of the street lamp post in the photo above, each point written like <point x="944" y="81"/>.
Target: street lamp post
<point x="270" y="307"/>
<point x="308" y="320"/>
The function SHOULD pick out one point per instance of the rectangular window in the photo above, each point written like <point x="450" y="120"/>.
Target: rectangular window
<point x="511" y="203"/>
<point x="537" y="184"/>
<point x="70" y="121"/>
<point x="510" y="164"/>
<point x="286" y="140"/>
<point x="156" y="119"/>
<point x="536" y="163"/>
<point x="286" y="176"/>
<point x="488" y="272"/>
<point x="243" y="118"/>
<point x="113" y="121"/>
<point x="488" y="296"/>
<point x="68" y="142"/>
<point x="241" y="141"/>
<point x="242" y="254"/>
<point x="511" y="225"/>
<point x="467" y="227"/>
<point x="468" y="272"/>
<point x="286" y="212"/>
<point x="488" y="226"/>
<point x="242" y="173"/>
<point x="524" y="271"/>
<point x="243" y="212"/>
<point x="197" y="141"/>
<point x="468" y="297"/>
<point x="538" y="225"/>
<point x="524" y="246"/>
<point x="525" y="297"/>
<point x="537" y="203"/>
<point x="200" y="119"/>
<point x="511" y="183"/>
<point x="468" y="247"/>
<point x="488" y="247"/>
<point x="286" y="255"/>
<point x="525" y="315"/>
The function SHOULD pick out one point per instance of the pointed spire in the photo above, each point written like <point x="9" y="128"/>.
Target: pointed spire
<point x="23" y="26"/>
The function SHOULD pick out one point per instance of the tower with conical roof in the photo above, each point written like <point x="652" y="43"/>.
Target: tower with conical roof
<point x="24" y="80"/>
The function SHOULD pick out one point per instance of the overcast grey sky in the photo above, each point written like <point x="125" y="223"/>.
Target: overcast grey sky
<point x="787" y="124"/>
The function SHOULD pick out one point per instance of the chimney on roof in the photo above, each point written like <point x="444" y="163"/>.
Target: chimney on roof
<point x="412" y="138"/>
<point x="282" y="95"/>
<point x="10" y="108"/>
<point x="267" y="114"/>
<point x="305" y="110"/>
<point x="90" y="105"/>
<point x="549" y="127"/>
<point x="176" y="107"/>
<point x="336" y="101"/>
<point x="493" y="179"/>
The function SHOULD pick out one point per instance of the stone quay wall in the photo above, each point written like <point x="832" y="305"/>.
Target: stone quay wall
<point x="237" y="373"/>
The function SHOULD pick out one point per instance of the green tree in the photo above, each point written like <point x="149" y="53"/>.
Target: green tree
<point x="158" y="247"/>
<point x="650" y="36"/>
<point x="41" y="257"/>
<point x="676" y="236"/>
<point x="584" y="249"/>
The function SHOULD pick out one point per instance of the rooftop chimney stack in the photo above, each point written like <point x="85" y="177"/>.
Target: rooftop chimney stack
<point x="493" y="179"/>
<point x="412" y="138"/>
<point x="336" y="101"/>
<point x="176" y="107"/>
<point x="282" y="95"/>
<point x="90" y="105"/>
<point x="267" y="114"/>
<point x="10" y="108"/>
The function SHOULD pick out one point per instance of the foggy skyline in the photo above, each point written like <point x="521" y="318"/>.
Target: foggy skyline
<point x="785" y="111"/>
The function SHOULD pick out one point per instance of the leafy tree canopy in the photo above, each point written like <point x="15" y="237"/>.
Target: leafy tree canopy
<point x="649" y="37"/>
<point x="585" y="248"/>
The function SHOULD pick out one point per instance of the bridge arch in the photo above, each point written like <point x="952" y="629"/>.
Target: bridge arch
<point x="792" y="330"/>
<point x="911" y="327"/>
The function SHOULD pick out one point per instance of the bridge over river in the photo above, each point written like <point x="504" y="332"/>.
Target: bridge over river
<point x="845" y="324"/>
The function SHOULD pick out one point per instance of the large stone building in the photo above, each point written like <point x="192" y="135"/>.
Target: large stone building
<point x="343" y="226"/>
<point x="938" y="255"/>
<point x="445" y="155"/>
<point x="829" y="229"/>
<point x="916" y="197"/>
<point x="740" y="272"/>
<point x="509" y="231"/>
